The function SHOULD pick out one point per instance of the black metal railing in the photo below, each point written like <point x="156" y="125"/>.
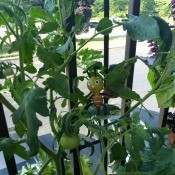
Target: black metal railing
<point x="130" y="51"/>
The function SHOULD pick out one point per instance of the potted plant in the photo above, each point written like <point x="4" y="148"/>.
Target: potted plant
<point x="43" y="33"/>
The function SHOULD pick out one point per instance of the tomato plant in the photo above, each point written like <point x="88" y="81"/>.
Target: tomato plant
<point x="8" y="71"/>
<point x="44" y="91"/>
<point x="70" y="142"/>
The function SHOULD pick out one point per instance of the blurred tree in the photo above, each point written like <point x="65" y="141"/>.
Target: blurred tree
<point x="148" y="7"/>
<point x="83" y="7"/>
<point x="119" y="8"/>
<point x="162" y="8"/>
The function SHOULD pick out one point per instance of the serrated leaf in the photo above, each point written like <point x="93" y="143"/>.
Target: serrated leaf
<point x="39" y="13"/>
<point x="20" y="151"/>
<point x="20" y="129"/>
<point x="34" y="101"/>
<point x="142" y="28"/>
<point x="155" y="139"/>
<point x="9" y="148"/>
<point x="165" y="94"/>
<point x="125" y="92"/>
<point x="58" y="84"/>
<point x="30" y="69"/>
<point x="91" y="145"/>
<point x="12" y="14"/>
<point x="49" y="27"/>
<point x="164" y="157"/>
<point x="104" y="24"/>
<point x="118" y="152"/>
<point x="51" y="59"/>
<point x="64" y="47"/>
<point x="27" y="46"/>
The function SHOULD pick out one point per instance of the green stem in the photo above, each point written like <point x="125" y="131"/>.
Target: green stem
<point x="103" y="156"/>
<point x="52" y="115"/>
<point x="20" y="141"/>
<point x="60" y="7"/>
<point x="47" y="150"/>
<point x="8" y="25"/>
<point x="145" y="97"/>
<point x="62" y="67"/>
<point x="45" y="165"/>
<point x="21" y="62"/>
<point x="6" y="103"/>
<point x="57" y="161"/>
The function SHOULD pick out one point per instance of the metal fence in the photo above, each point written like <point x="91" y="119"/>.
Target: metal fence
<point x="130" y="51"/>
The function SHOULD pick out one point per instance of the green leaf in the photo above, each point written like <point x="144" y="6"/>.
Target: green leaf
<point x="118" y="152"/>
<point x="67" y="8"/>
<point x="6" y="145"/>
<point x="34" y="101"/>
<point x="165" y="36"/>
<point x="49" y="27"/>
<point x="125" y="92"/>
<point x="20" y="151"/>
<point x="12" y="14"/>
<point x="88" y="57"/>
<point x="30" y="69"/>
<point x="17" y="88"/>
<point x="20" y="129"/>
<point x="91" y="145"/>
<point x="139" y="135"/>
<point x="27" y="47"/>
<point x="155" y="138"/>
<point x="58" y="84"/>
<point x="136" y="118"/>
<point x="165" y="94"/>
<point x="86" y="164"/>
<point x="103" y="25"/>
<point x="49" y="5"/>
<point x="131" y="166"/>
<point x="50" y="58"/>
<point x="64" y="47"/>
<point x="164" y="157"/>
<point x="142" y="28"/>
<point x="9" y="148"/>
<point x="39" y="13"/>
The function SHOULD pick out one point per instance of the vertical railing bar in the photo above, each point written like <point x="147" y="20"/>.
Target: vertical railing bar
<point x="162" y="117"/>
<point x="130" y="50"/>
<point x="106" y="65"/>
<point x="10" y="163"/>
<point x="72" y="72"/>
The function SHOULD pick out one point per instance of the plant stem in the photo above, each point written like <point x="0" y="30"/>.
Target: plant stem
<point x="21" y="62"/>
<point x="102" y="156"/>
<point x="62" y="67"/>
<point x="8" y="25"/>
<point x="6" y="103"/>
<point x="45" y="165"/>
<point x="57" y="161"/>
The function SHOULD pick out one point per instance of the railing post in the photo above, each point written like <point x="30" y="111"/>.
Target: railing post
<point x="163" y="117"/>
<point x="10" y="163"/>
<point x="72" y="72"/>
<point x="130" y="50"/>
<point x="106" y="65"/>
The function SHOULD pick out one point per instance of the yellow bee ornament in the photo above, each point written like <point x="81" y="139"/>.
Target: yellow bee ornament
<point x="95" y="85"/>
